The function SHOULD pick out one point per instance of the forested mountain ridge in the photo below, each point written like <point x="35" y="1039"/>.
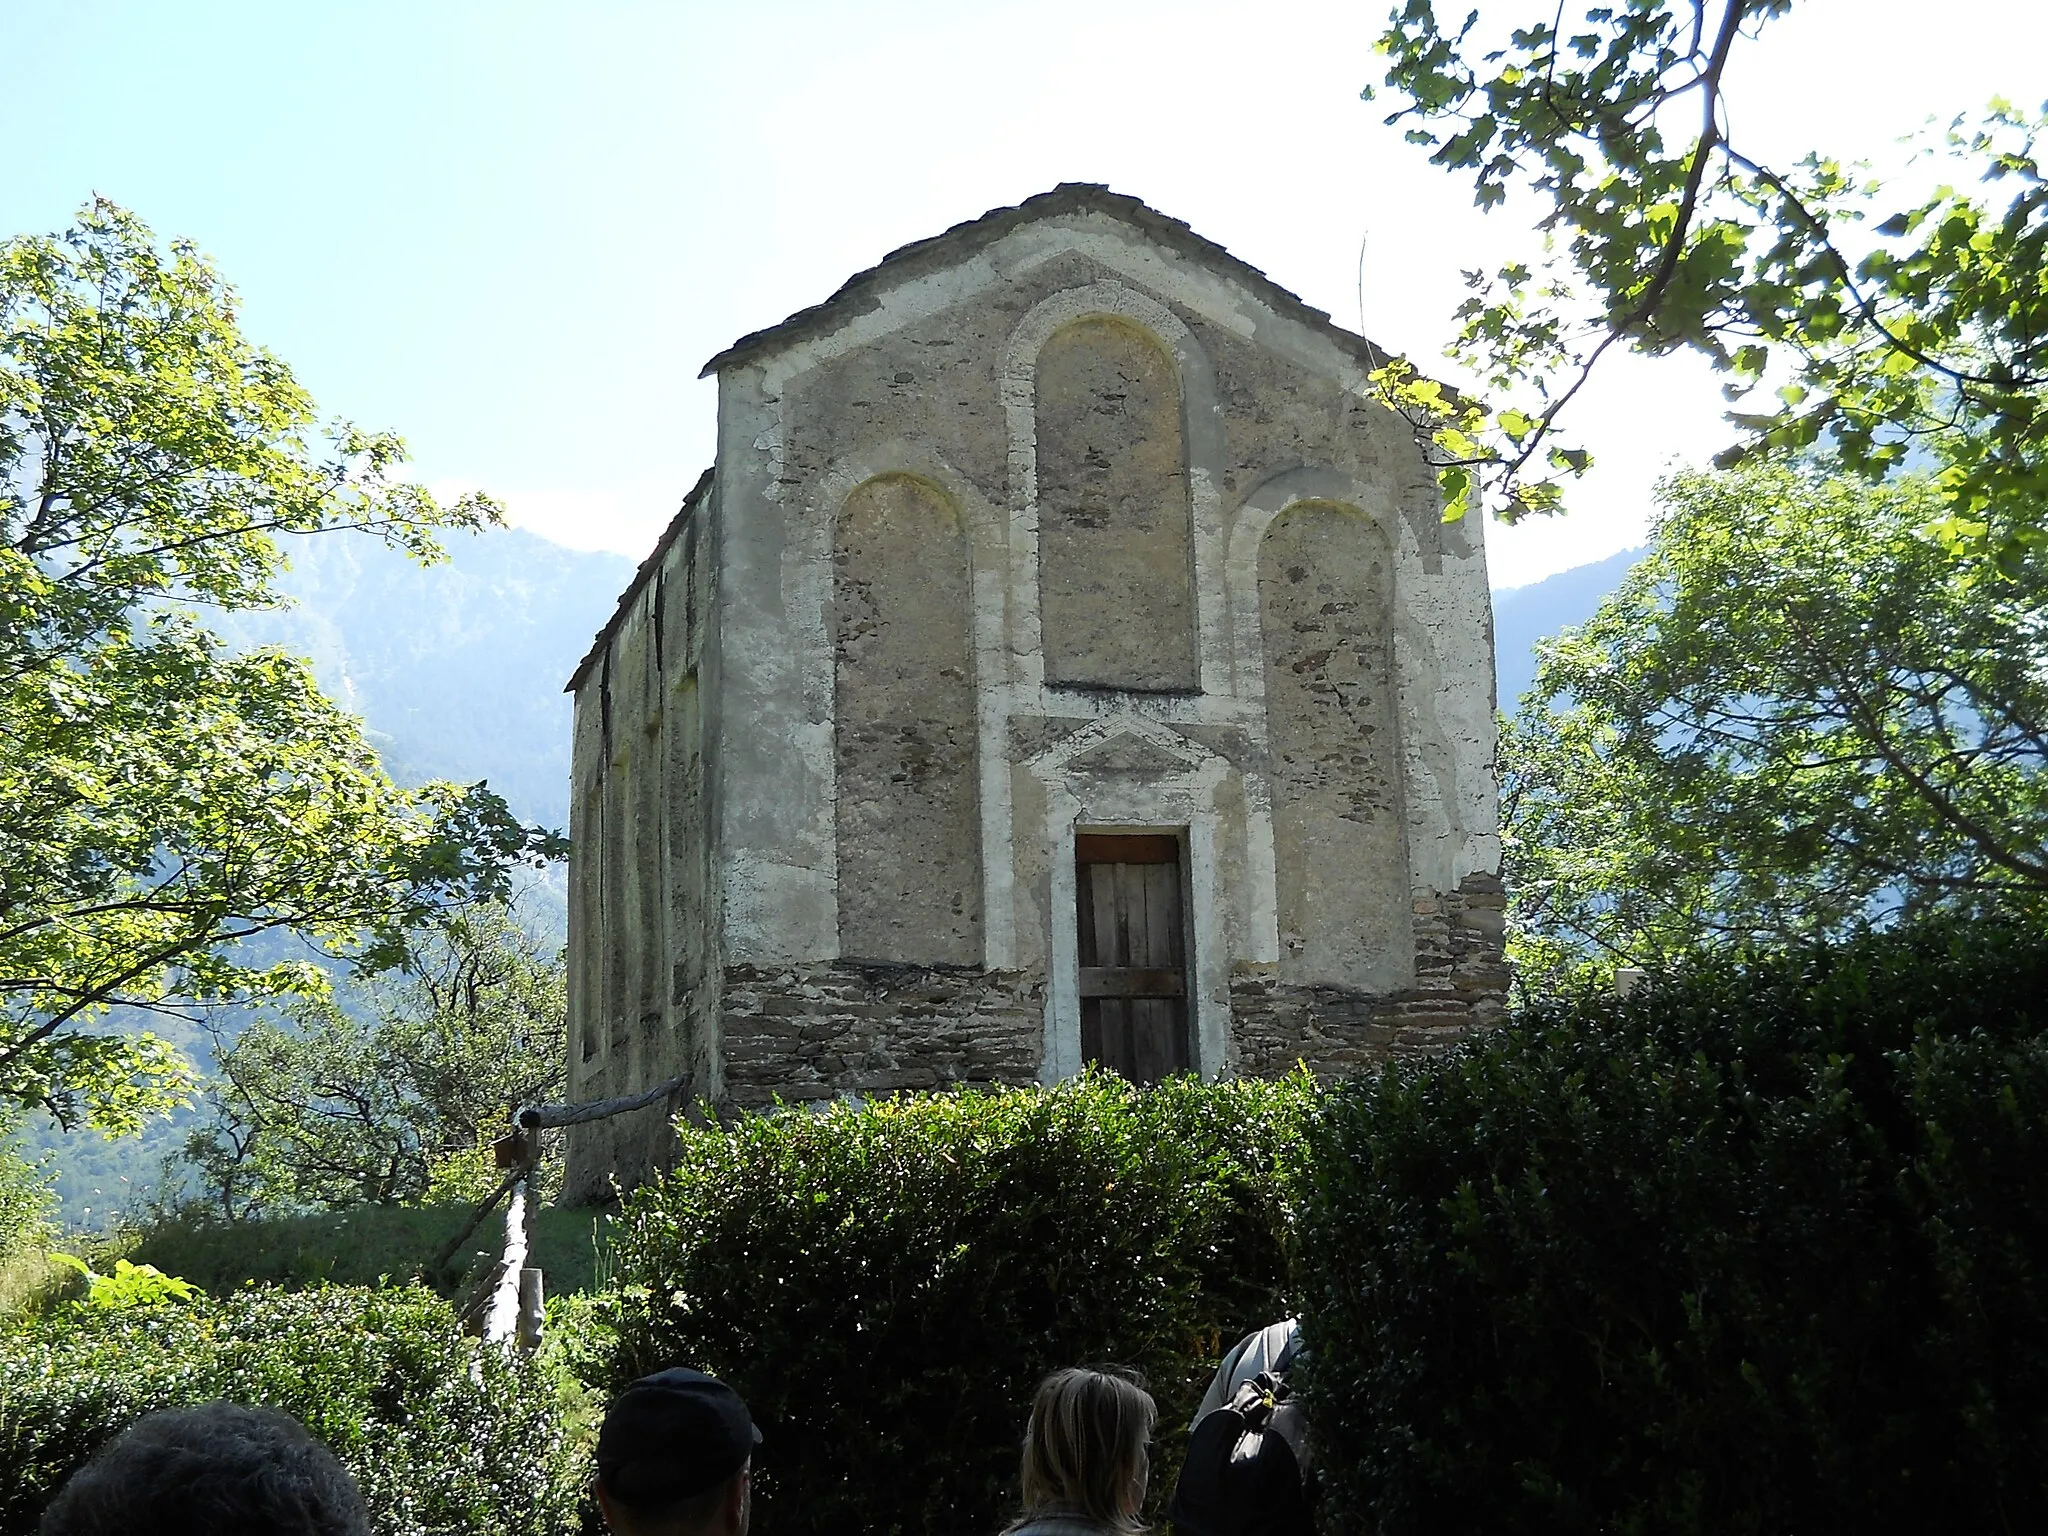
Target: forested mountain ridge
<point x="457" y="668"/>
<point x="1523" y="617"/>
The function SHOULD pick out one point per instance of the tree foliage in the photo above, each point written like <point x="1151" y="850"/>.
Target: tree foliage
<point x="1892" y="327"/>
<point x="326" y="1110"/>
<point x="1801" y="710"/>
<point x="160" y="798"/>
<point x="25" y="1198"/>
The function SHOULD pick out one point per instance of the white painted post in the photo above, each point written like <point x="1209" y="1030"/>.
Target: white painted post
<point x="501" y="1318"/>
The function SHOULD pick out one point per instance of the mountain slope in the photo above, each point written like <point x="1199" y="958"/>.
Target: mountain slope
<point x="1524" y="616"/>
<point x="458" y="668"/>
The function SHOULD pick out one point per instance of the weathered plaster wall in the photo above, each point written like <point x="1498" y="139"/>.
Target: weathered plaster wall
<point x="1324" y="746"/>
<point x="1115" y="563"/>
<point x="1326" y="603"/>
<point x="908" y="822"/>
<point x="987" y="380"/>
<point x="642" y="933"/>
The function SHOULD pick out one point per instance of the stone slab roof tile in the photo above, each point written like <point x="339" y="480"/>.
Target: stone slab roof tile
<point x="862" y="292"/>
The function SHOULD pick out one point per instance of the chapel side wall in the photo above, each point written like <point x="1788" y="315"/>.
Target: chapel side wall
<point x="642" y="954"/>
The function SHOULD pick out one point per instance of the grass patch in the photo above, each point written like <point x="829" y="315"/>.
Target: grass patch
<point x="26" y="1277"/>
<point x="365" y="1246"/>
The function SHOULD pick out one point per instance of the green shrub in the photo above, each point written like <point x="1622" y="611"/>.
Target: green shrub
<point x="443" y="1434"/>
<point x="885" y="1285"/>
<point x="1761" y="1248"/>
<point x="25" y="1197"/>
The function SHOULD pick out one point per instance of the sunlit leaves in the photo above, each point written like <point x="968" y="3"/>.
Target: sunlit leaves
<point x="326" y="1108"/>
<point x="159" y="798"/>
<point x="1913" y="334"/>
<point x="1811" y="704"/>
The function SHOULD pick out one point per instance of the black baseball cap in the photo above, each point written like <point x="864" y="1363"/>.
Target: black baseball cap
<point x="673" y="1435"/>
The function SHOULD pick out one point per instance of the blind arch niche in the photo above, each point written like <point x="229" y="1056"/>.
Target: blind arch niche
<point x="1326" y="604"/>
<point x="1116" y="590"/>
<point x="907" y="821"/>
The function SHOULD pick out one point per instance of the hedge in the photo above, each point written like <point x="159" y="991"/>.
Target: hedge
<point x="1761" y="1248"/>
<point x="444" y="1435"/>
<point x="885" y="1285"/>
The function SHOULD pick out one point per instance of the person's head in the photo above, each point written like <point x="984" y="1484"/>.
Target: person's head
<point x="220" y="1468"/>
<point x="1085" y="1449"/>
<point x="674" y="1458"/>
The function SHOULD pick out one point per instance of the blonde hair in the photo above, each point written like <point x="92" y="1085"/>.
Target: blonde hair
<point x="1084" y="1453"/>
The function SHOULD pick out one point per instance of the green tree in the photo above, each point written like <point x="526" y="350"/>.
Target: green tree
<point x="25" y="1198"/>
<point x="1801" y="711"/>
<point x="1890" y="328"/>
<point x="325" y="1110"/>
<point x="162" y="800"/>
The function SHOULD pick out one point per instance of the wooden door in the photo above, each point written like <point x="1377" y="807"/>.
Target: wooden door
<point x="1134" y="991"/>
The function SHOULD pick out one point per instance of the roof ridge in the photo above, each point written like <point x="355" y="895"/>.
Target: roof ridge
<point x="1068" y="197"/>
<point x="641" y="573"/>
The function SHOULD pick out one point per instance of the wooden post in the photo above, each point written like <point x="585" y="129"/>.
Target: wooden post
<point x="532" y="1307"/>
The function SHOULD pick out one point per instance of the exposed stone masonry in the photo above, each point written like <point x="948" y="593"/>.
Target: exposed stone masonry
<point x="822" y="1031"/>
<point x="1460" y="983"/>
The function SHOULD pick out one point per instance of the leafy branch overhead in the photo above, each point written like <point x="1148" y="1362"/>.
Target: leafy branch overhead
<point x="160" y="798"/>
<point x="1890" y="329"/>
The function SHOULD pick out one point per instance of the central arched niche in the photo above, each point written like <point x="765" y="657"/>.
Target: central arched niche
<point x="908" y="820"/>
<point x="1115" y="566"/>
<point x="1340" y="852"/>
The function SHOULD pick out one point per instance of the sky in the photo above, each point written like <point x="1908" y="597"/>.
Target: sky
<point x="514" y="232"/>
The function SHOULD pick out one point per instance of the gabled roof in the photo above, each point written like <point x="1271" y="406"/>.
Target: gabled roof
<point x="641" y="577"/>
<point x="861" y="292"/>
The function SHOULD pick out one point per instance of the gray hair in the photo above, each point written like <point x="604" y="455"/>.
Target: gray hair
<point x="220" y="1469"/>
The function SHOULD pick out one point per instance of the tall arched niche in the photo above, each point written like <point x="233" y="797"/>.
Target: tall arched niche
<point x="908" y="820"/>
<point x="1326" y="597"/>
<point x="1115" y="557"/>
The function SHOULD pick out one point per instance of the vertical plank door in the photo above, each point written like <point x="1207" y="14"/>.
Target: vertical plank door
<point x="1134" y="992"/>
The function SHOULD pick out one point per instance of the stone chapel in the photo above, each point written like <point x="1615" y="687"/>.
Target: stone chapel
<point x="1064" y="661"/>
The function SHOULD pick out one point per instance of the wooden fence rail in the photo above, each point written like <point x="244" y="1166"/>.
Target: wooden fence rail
<point x="507" y="1304"/>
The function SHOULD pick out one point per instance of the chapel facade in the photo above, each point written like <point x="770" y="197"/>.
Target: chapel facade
<point x="1064" y="661"/>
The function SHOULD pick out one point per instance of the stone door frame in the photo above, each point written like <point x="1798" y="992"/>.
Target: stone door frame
<point x="1146" y="778"/>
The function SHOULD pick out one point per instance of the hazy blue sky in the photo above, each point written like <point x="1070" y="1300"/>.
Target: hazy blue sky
<point x="514" y="232"/>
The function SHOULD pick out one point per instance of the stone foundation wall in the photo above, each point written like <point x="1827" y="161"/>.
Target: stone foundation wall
<point x="1461" y="981"/>
<point x="820" y="1031"/>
